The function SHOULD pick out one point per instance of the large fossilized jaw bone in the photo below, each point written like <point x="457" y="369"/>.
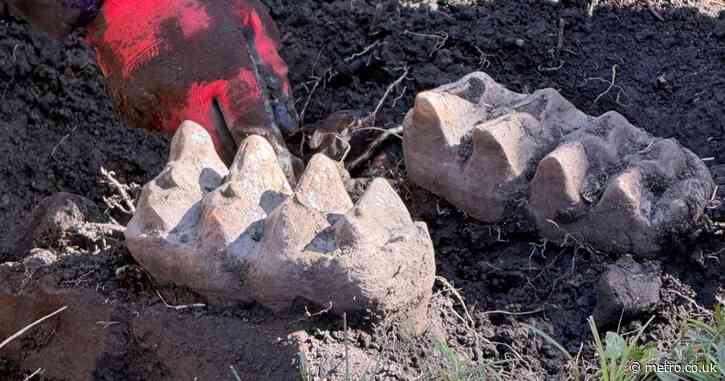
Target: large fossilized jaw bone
<point x="243" y="234"/>
<point x="599" y="180"/>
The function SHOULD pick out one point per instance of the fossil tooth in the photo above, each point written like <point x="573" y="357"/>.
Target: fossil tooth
<point x="243" y="235"/>
<point x="573" y="173"/>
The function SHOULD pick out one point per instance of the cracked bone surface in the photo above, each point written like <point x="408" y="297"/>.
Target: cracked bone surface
<point x="500" y="155"/>
<point x="242" y="234"/>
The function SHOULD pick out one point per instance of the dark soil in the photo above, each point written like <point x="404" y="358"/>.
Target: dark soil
<point x="59" y="129"/>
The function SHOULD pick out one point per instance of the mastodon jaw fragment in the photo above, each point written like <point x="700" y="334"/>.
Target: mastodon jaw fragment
<point x="497" y="154"/>
<point x="244" y="235"/>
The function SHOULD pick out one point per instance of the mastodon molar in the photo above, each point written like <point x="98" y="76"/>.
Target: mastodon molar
<point x="244" y="235"/>
<point x="599" y="180"/>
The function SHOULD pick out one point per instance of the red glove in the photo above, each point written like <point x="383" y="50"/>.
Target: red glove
<point x="213" y="62"/>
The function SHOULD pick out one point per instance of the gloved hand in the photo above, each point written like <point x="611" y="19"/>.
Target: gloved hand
<point x="213" y="62"/>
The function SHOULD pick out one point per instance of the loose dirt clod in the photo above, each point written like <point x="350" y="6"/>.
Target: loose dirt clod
<point x="244" y="235"/>
<point x="38" y="259"/>
<point x="627" y="289"/>
<point x="597" y="180"/>
<point x="54" y="221"/>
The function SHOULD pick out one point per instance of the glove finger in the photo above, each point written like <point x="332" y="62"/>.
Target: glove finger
<point x="239" y="114"/>
<point x="262" y="39"/>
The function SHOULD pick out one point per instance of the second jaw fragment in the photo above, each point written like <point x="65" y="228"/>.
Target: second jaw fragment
<point x="244" y="235"/>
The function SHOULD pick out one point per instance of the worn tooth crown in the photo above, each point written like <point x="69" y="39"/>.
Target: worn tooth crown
<point x="558" y="180"/>
<point x="244" y="235"/>
<point x="256" y="156"/>
<point x="600" y="180"/>
<point x="321" y="187"/>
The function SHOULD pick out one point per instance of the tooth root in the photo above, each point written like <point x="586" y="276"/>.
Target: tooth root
<point x="321" y="187"/>
<point x="256" y="156"/>
<point x="557" y="182"/>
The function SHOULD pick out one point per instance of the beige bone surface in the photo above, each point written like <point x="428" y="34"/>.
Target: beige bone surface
<point x="244" y="235"/>
<point x="497" y="154"/>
